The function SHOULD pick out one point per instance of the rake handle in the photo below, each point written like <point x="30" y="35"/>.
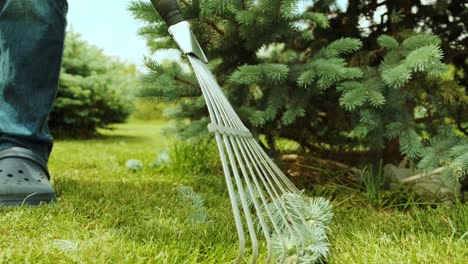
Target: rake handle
<point x="169" y="11"/>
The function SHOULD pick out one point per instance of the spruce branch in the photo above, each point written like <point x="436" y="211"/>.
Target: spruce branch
<point x="459" y="120"/>
<point x="417" y="41"/>
<point x="387" y="41"/>
<point x="185" y="2"/>
<point x="176" y="78"/>
<point x="214" y="26"/>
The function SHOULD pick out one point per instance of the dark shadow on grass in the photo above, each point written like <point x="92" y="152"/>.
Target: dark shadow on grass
<point x="111" y="139"/>
<point x="77" y="134"/>
<point x="116" y="138"/>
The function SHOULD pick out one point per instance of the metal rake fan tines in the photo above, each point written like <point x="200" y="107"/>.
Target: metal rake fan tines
<point x="264" y="202"/>
<point x="265" y="194"/>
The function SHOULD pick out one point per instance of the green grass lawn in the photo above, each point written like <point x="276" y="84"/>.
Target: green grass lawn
<point x="107" y="214"/>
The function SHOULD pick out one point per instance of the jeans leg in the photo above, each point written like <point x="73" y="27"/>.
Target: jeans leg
<point x="31" y="46"/>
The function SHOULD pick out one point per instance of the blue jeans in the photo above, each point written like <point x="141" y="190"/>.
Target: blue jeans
<point x="31" y="45"/>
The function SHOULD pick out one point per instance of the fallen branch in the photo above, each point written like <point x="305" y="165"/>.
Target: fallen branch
<point x="422" y="175"/>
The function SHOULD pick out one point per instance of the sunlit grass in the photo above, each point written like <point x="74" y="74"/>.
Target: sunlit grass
<point x="107" y="214"/>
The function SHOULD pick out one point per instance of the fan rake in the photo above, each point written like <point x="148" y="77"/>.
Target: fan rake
<point x="264" y="201"/>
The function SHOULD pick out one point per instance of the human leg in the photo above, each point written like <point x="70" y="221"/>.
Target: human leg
<point x="31" y="46"/>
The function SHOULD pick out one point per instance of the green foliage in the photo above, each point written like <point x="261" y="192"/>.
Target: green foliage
<point x="93" y="90"/>
<point x="418" y="41"/>
<point x="198" y="211"/>
<point x="424" y="58"/>
<point x="320" y="19"/>
<point x="290" y="75"/>
<point x="312" y="233"/>
<point x="342" y="47"/>
<point x="449" y="151"/>
<point x="389" y="42"/>
<point x="387" y="95"/>
<point x="194" y="156"/>
<point x="272" y="73"/>
<point x="373" y="182"/>
<point x="145" y="109"/>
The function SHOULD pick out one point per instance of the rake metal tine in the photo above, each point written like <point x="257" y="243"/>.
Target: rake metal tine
<point x="249" y="186"/>
<point x="219" y="97"/>
<point x="230" y="109"/>
<point x="280" y="173"/>
<point x="211" y="93"/>
<point x="277" y="230"/>
<point x="224" y="100"/>
<point x="267" y="160"/>
<point x="291" y="229"/>
<point x="235" y="123"/>
<point x="244" y="204"/>
<point x="216" y="93"/>
<point x="239" y="126"/>
<point x="213" y="115"/>
<point x="223" y="114"/>
<point x="265" y="228"/>
<point x="228" y="141"/>
<point x="263" y="175"/>
<point x="226" y="170"/>
<point x="232" y="196"/>
<point x="283" y="177"/>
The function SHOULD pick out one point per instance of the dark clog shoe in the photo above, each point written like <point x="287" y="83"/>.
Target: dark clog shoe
<point x="24" y="178"/>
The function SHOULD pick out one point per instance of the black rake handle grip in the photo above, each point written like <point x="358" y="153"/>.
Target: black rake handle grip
<point x="169" y="11"/>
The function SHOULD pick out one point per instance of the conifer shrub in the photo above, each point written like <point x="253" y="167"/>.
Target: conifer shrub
<point x="93" y="90"/>
<point x="377" y="95"/>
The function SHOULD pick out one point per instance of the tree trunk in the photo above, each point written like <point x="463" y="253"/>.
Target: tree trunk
<point x="391" y="152"/>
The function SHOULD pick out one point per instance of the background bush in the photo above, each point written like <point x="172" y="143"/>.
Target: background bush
<point x="147" y="109"/>
<point x="93" y="90"/>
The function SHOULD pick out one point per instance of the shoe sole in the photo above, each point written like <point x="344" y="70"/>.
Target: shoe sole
<point x="27" y="200"/>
